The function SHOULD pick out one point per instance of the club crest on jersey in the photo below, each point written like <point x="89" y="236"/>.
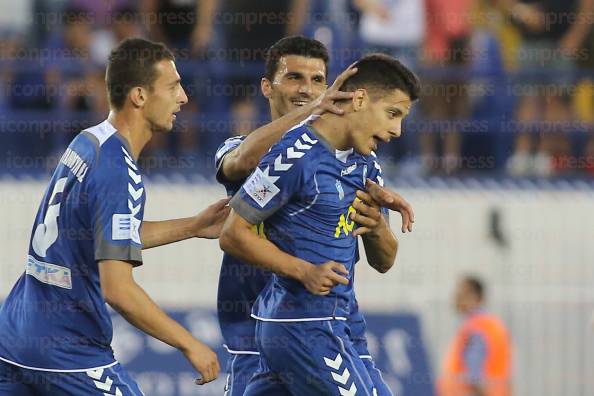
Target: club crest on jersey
<point x="260" y="187"/>
<point x="339" y="189"/>
<point x="348" y="170"/>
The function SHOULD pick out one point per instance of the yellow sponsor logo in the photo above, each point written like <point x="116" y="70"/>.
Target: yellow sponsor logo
<point x="345" y="224"/>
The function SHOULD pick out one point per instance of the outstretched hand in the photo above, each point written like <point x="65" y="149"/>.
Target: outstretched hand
<point x="210" y="221"/>
<point x="326" y="102"/>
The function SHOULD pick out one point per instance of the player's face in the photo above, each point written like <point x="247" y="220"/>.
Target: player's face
<point x="379" y="120"/>
<point x="298" y="81"/>
<point x="165" y="98"/>
<point x="464" y="299"/>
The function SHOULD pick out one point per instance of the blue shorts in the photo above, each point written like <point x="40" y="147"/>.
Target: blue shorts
<point x="308" y="358"/>
<point x="19" y="381"/>
<point x="240" y="369"/>
<point x="381" y="388"/>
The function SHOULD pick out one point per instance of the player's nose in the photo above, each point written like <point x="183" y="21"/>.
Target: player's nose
<point x="183" y="98"/>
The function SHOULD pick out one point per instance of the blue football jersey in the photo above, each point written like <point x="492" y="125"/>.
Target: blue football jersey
<point x="303" y="190"/>
<point x="55" y="317"/>
<point x="239" y="283"/>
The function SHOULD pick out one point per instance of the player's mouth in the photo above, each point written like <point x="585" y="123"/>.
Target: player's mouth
<point x="300" y="102"/>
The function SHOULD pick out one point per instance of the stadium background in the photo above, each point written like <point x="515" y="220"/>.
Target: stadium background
<point x="503" y="195"/>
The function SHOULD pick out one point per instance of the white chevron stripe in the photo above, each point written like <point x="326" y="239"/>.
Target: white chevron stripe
<point x="291" y="153"/>
<point x="104" y="386"/>
<point x="266" y="173"/>
<point x="133" y="209"/>
<point x="136" y="194"/>
<point x="95" y="374"/>
<point x="301" y="146"/>
<point x="335" y="364"/>
<point x="135" y="177"/>
<point x="377" y="166"/>
<point x="279" y="166"/>
<point x="126" y="153"/>
<point x="374" y="392"/>
<point x="308" y="139"/>
<point x="118" y="392"/>
<point x="343" y="378"/>
<point x="351" y="392"/>
<point x="130" y="163"/>
<point x="380" y="181"/>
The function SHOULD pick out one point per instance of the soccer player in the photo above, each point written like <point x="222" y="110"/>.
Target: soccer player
<point x="295" y="85"/>
<point x="55" y="329"/>
<point x="304" y="189"/>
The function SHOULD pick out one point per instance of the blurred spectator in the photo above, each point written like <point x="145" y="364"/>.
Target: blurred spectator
<point x="175" y="22"/>
<point x="547" y="59"/>
<point x="445" y="99"/>
<point x="395" y="27"/>
<point x="478" y="362"/>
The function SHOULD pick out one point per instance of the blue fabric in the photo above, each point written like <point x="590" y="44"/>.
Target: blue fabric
<point x="475" y="356"/>
<point x="240" y="369"/>
<point x="304" y="193"/>
<point x="240" y="283"/>
<point x="308" y="358"/>
<point x="23" y="382"/>
<point x="55" y="317"/>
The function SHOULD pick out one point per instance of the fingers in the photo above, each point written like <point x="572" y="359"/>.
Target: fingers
<point x="381" y="196"/>
<point x="338" y="279"/>
<point x="365" y="201"/>
<point x="361" y="231"/>
<point x="221" y="203"/>
<point x="336" y="267"/>
<point x="342" y="77"/>
<point x="210" y="373"/>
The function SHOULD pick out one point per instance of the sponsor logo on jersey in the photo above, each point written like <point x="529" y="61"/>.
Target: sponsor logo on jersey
<point x="261" y="188"/>
<point x="348" y="170"/>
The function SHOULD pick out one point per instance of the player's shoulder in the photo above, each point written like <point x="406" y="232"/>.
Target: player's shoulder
<point x="298" y="145"/>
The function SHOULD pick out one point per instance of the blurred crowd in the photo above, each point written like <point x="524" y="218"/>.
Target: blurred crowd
<point x="507" y="84"/>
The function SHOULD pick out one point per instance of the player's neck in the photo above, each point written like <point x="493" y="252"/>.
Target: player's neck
<point x="332" y="130"/>
<point x="133" y="130"/>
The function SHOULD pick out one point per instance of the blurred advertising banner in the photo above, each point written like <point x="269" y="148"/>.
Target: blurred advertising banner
<point x="394" y="342"/>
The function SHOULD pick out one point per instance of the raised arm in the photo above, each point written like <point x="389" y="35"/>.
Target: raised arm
<point x="239" y="163"/>
<point x="124" y="295"/>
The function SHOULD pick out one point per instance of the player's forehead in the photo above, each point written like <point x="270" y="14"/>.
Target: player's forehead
<point x="300" y="64"/>
<point x="166" y="72"/>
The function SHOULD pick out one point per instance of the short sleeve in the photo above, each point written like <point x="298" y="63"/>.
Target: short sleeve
<point x="278" y="177"/>
<point x="228" y="146"/>
<point x="475" y="354"/>
<point x="117" y="203"/>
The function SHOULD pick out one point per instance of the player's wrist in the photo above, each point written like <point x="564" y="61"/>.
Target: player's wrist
<point x="301" y="270"/>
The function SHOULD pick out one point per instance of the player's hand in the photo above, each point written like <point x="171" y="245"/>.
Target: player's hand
<point x="204" y="360"/>
<point x="325" y="102"/>
<point x="368" y="215"/>
<point x="393" y="201"/>
<point x="209" y="222"/>
<point x="320" y="279"/>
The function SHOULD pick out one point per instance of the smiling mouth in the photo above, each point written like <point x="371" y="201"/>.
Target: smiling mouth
<point x="300" y="103"/>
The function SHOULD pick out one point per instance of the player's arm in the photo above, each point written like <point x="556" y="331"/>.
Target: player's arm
<point x="238" y="239"/>
<point x="124" y="295"/>
<point x="240" y="162"/>
<point x="379" y="241"/>
<point x="475" y="356"/>
<point x="206" y="224"/>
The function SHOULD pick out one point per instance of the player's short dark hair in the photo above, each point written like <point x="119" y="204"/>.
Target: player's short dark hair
<point x="132" y="64"/>
<point x="294" y="45"/>
<point x="476" y="286"/>
<point x="379" y="73"/>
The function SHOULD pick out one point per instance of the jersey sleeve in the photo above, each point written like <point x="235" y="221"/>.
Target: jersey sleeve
<point x="278" y="177"/>
<point x="117" y="206"/>
<point x="228" y="146"/>
<point x="375" y="174"/>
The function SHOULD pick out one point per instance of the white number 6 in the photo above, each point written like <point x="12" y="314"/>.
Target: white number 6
<point x="46" y="233"/>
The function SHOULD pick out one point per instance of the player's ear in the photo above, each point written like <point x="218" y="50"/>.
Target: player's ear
<point x="360" y="99"/>
<point x="266" y="87"/>
<point x="137" y="96"/>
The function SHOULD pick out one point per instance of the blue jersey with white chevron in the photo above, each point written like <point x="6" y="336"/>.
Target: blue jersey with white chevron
<point x="239" y="283"/>
<point x="304" y="190"/>
<point x="55" y="317"/>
